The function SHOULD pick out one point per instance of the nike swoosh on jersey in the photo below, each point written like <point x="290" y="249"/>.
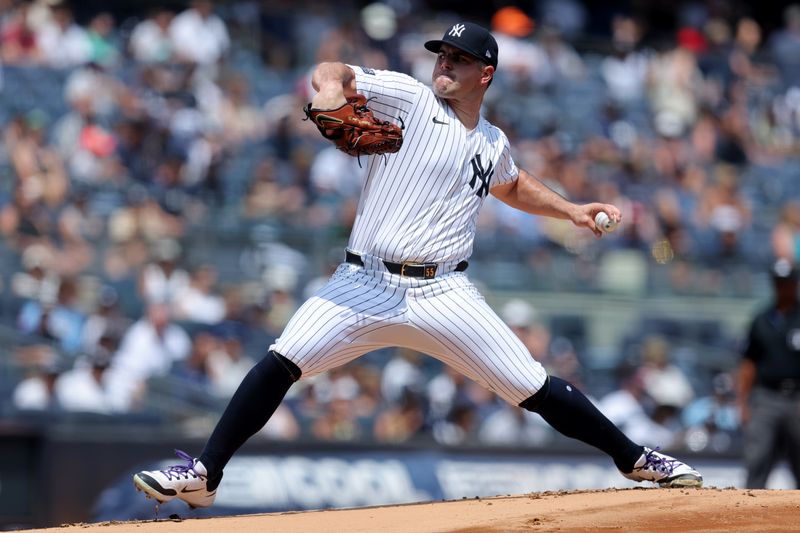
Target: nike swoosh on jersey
<point x="437" y="121"/>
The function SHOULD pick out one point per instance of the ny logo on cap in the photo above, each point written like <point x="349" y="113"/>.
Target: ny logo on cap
<point x="456" y="30"/>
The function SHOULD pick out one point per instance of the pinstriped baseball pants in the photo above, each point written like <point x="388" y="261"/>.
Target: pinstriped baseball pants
<point x="364" y="309"/>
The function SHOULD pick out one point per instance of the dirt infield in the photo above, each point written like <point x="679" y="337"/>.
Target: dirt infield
<point x="645" y="510"/>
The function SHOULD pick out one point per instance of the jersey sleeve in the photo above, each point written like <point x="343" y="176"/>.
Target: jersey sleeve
<point x="507" y="170"/>
<point x="391" y="94"/>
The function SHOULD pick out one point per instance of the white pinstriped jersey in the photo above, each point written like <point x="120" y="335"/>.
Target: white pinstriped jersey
<point x="418" y="205"/>
<point x="421" y="204"/>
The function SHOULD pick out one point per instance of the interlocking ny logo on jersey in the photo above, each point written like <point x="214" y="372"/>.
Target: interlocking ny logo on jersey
<point x="478" y="173"/>
<point x="456" y="30"/>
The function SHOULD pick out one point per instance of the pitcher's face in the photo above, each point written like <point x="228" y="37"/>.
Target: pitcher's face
<point x="456" y="72"/>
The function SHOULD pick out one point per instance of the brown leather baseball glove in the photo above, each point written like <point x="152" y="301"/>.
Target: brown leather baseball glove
<point x="354" y="129"/>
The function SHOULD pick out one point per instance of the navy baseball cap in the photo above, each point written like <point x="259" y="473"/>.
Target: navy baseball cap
<point x="471" y="38"/>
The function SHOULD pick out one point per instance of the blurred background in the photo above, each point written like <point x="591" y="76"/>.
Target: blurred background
<point x="164" y="210"/>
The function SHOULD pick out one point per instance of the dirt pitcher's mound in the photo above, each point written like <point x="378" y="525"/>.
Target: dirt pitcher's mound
<point x="645" y="510"/>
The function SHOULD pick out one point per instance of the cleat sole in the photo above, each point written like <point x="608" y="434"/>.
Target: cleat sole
<point x="683" y="482"/>
<point x="148" y="491"/>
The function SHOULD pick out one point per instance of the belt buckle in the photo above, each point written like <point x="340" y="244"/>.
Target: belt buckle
<point x="428" y="270"/>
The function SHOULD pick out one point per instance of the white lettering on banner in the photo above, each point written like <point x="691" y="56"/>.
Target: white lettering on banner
<point x="463" y="479"/>
<point x="253" y="482"/>
<point x="296" y="482"/>
<point x="299" y="476"/>
<point x="310" y="483"/>
<point x="336" y="481"/>
<point x="364" y="482"/>
<point x="460" y="479"/>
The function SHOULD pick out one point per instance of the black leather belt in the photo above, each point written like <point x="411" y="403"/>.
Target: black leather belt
<point x="409" y="270"/>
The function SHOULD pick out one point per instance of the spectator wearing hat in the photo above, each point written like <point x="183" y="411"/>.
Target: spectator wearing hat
<point x="61" y="321"/>
<point x="163" y="278"/>
<point x="663" y="380"/>
<point x="769" y="381"/>
<point x="524" y="321"/>
<point x="106" y="322"/>
<point x="36" y="392"/>
<point x="229" y="362"/>
<point x="199" y="301"/>
<point x="36" y="280"/>
<point x="86" y="387"/>
<point x="524" y="62"/>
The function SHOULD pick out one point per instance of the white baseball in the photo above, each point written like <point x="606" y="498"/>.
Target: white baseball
<point x="604" y="222"/>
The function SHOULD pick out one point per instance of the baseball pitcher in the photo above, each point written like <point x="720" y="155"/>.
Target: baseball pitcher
<point x="432" y="160"/>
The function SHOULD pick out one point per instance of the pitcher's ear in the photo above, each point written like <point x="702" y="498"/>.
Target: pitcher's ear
<point x="488" y="73"/>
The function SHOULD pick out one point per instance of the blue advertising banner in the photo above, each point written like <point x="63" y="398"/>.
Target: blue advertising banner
<point x="316" y="480"/>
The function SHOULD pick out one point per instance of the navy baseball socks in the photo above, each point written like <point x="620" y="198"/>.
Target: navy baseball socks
<point x="196" y="481"/>
<point x="561" y="404"/>
<point x="571" y="413"/>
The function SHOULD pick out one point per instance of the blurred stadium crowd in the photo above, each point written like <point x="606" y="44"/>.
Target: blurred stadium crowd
<point x="164" y="210"/>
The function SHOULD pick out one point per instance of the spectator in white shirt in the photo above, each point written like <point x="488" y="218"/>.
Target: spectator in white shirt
<point x="150" y="39"/>
<point x="36" y="391"/>
<point x="85" y="388"/>
<point x="63" y="43"/>
<point x="198" y="302"/>
<point x="152" y="344"/>
<point x="625" y="71"/>
<point x="148" y="349"/>
<point x="162" y="280"/>
<point x="664" y="381"/>
<point x="198" y="35"/>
